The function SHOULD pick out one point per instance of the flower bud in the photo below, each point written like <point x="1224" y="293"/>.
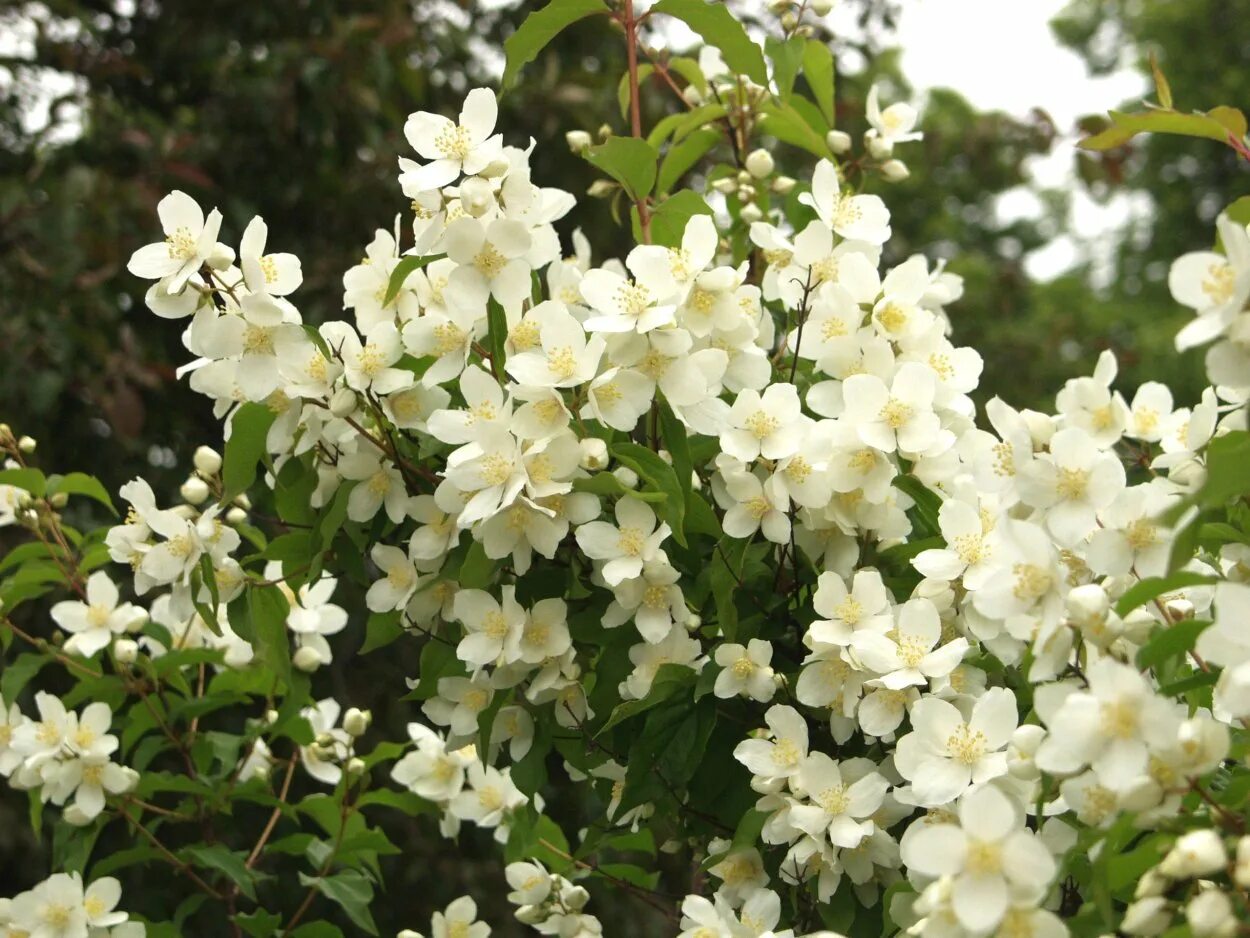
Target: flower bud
<point x="1147" y="917"/>
<point x="236" y="516"/>
<point x="131" y="779"/>
<point x="194" y="491"/>
<point x="1178" y="609"/>
<point x="136" y="624"/>
<point x="1196" y="853"/>
<point x="355" y="767"/>
<point x="759" y="163"/>
<point x="409" y="933"/>
<point x="343" y="403"/>
<point x="692" y="95"/>
<point x="694" y="622"/>
<point x="725" y="185"/>
<point x="1210" y="913"/>
<point x="626" y="476"/>
<point x="477" y="196"/>
<point x="1241" y="870"/>
<point x="782" y="185"/>
<point x="820" y="7"/>
<point x="895" y="170"/>
<point x="243" y="501"/>
<point x="751" y="213"/>
<point x="578" y="140"/>
<point x="593" y="453"/>
<point x="601" y="188"/>
<point x="125" y="650"/>
<point x="878" y="148"/>
<point x="1021" y="750"/>
<point x="306" y="659"/>
<point x="839" y="141"/>
<point x="779" y="6"/>
<point x="59" y="499"/>
<point x="530" y="915"/>
<point x="746" y="192"/>
<point x="356" y="721"/>
<point x="207" y="461"/>
<point x="76" y="816"/>
<point x="27" y="444"/>
<point x="1041" y="427"/>
<point x="789" y="21"/>
<point x="574" y="897"/>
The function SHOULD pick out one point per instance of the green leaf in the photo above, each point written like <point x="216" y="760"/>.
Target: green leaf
<point x="1155" y="586"/>
<point x="787" y="55"/>
<point x="669" y="218"/>
<point x="681" y="156"/>
<point x="924" y="513"/>
<point x="382" y="629"/>
<point x="351" y="891"/>
<point x="496" y="335"/>
<point x="223" y="860"/>
<point x="259" y="924"/>
<point x="718" y="27"/>
<point x="477" y="571"/>
<point x="1216" y="124"/>
<point x="245" y="448"/>
<point x="29" y="480"/>
<point x="658" y="474"/>
<point x="79" y="483"/>
<point x="1162" y="89"/>
<point x="628" y="160"/>
<point x="785" y="123"/>
<point x="623" y="87"/>
<point x="1170" y="642"/>
<point x="818" y="70"/>
<point x="669" y="679"/>
<point x="538" y="29"/>
<point x="403" y="269"/>
<point x="18" y="673"/>
<point x="317" y="930"/>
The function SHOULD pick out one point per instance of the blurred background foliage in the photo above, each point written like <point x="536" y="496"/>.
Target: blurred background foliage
<point x="294" y="110"/>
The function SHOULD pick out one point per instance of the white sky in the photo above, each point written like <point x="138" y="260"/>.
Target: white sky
<point x="1001" y="55"/>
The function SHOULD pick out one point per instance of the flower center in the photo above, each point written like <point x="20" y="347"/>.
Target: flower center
<point x="630" y="542"/>
<point x="453" y="142"/>
<point x="181" y="244"/>
<point x="895" y="413"/>
<point x="966" y="746"/>
<point x="1072" y="483"/>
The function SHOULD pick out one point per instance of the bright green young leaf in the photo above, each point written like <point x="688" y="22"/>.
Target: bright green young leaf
<point x="403" y="270"/>
<point x="1152" y="587"/>
<point x="628" y="160"/>
<point x="787" y="57"/>
<point x="718" y="27"/>
<point x="351" y="891"/>
<point x="669" y="218"/>
<point x="818" y="70"/>
<point x="1216" y="124"/>
<point x="79" y="483"/>
<point x="682" y="156"/>
<point x="1170" y="642"/>
<point x="538" y="29"/>
<point x="245" y="448"/>
<point x="785" y="123"/>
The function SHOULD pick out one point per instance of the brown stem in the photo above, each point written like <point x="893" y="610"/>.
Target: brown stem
<point x="635" y="112"/>
<point x="277" y="813"/>
<point x="169" y="855"/>
<point x="42" y="645"/>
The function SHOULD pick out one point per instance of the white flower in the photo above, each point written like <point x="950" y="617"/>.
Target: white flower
<point x="312" y="617"/>
<point x="190" y="240"/>
<point x="489" y="626"/>
<point x="491" y="261"/>
<point x="275" y="274"/>
<point x="563" y="358"/>
<point x="379" y="483"/>
<point x="398" y="582"/>
<point x="1215" y="286"/>
<point x="93" y="624"/>
<point x="1227" y="643"/>
<point x="745" y="670"/>
<point x="625" y="547"/>
<point x="453" y="148"/>
<point x="844" y="796"/>
<point x="459" y="920"/>
<point x="944" y="755"/>
<point x="768" y="425"/>
<point x="367" y="364"/>
<point x="969" y="548"/>
<point x="53" y="909"/>
<point x="782" y="755"/>
<point x="866" y="606"/>
<point x="330" y="743"/>
<point x="489" y="796"/>
<point x="893" y="125"/>
<point x="991" y="858"/>
<point x="676" y="648"/>
<point x="1130" y="536"/>
<point x="858" y="217"/>
<point x="899" y="416"/>
<point x="1073" y="484"/>
<point x="625" y="305"/>
<point x="756" y="506"/>
<point x="910" y="654"/>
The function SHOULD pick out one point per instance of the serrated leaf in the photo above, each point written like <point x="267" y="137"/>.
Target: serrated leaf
<point x="716" y="26"/>
<point x="628" y="160"/>
<point x="538" y="29"/>
<point x="245" y="448"/>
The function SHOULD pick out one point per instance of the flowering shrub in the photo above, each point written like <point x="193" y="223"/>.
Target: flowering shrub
<point x="706" y="546"/>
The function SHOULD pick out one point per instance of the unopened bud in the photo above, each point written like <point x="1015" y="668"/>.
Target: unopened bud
<point x="27" y="444"/>
<point x="694" y="622"/>
<point x="306" y="659"/>
<point x="1210" y="913"/>
<point x="839" y="141"/>
<point x="1178" y="609"/>
<point x="1149" y="916"/>
<point x="409" y="933"/>
<point x="1196" y="853"/>
<point x="355" y="767"/>
<point x="243" y="501"/>
<point x="593" y="454"/>
<point x="601" y="188"/>
<point x="692" y="95"/>
<point x="356" y="721"/>
<point x="782" y="185"/>
<point x="779" y="6"/>
<point x="578" y="140"/>
<point x="343" y="403"/>
<point x="477" y="196"/>
<point x="59" y="500"/>
<point x="605" y="131"/>
<point x="725" y="185"/>
<point x="751" y="213"/>
<point x="820" y="7"/>
<point x="759" y="163"/>
<point x="194" y="491"/>
<point x="895" y="170"/>
<point x="879" y="148"/>
<point x="207" y="461"/>
<point x="236" y="516"/>
<point x="789" y="21"/>
<point x="746" y="192"/>
<point x="626" y="476"/>
<point x="125" y="650"/>
<point x="76" y="816"/>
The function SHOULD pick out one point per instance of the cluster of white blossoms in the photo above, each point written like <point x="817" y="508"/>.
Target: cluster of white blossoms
<point x="61" y="907"/>
<point x="64" y="755"/>
<point x="478" y="401"/>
